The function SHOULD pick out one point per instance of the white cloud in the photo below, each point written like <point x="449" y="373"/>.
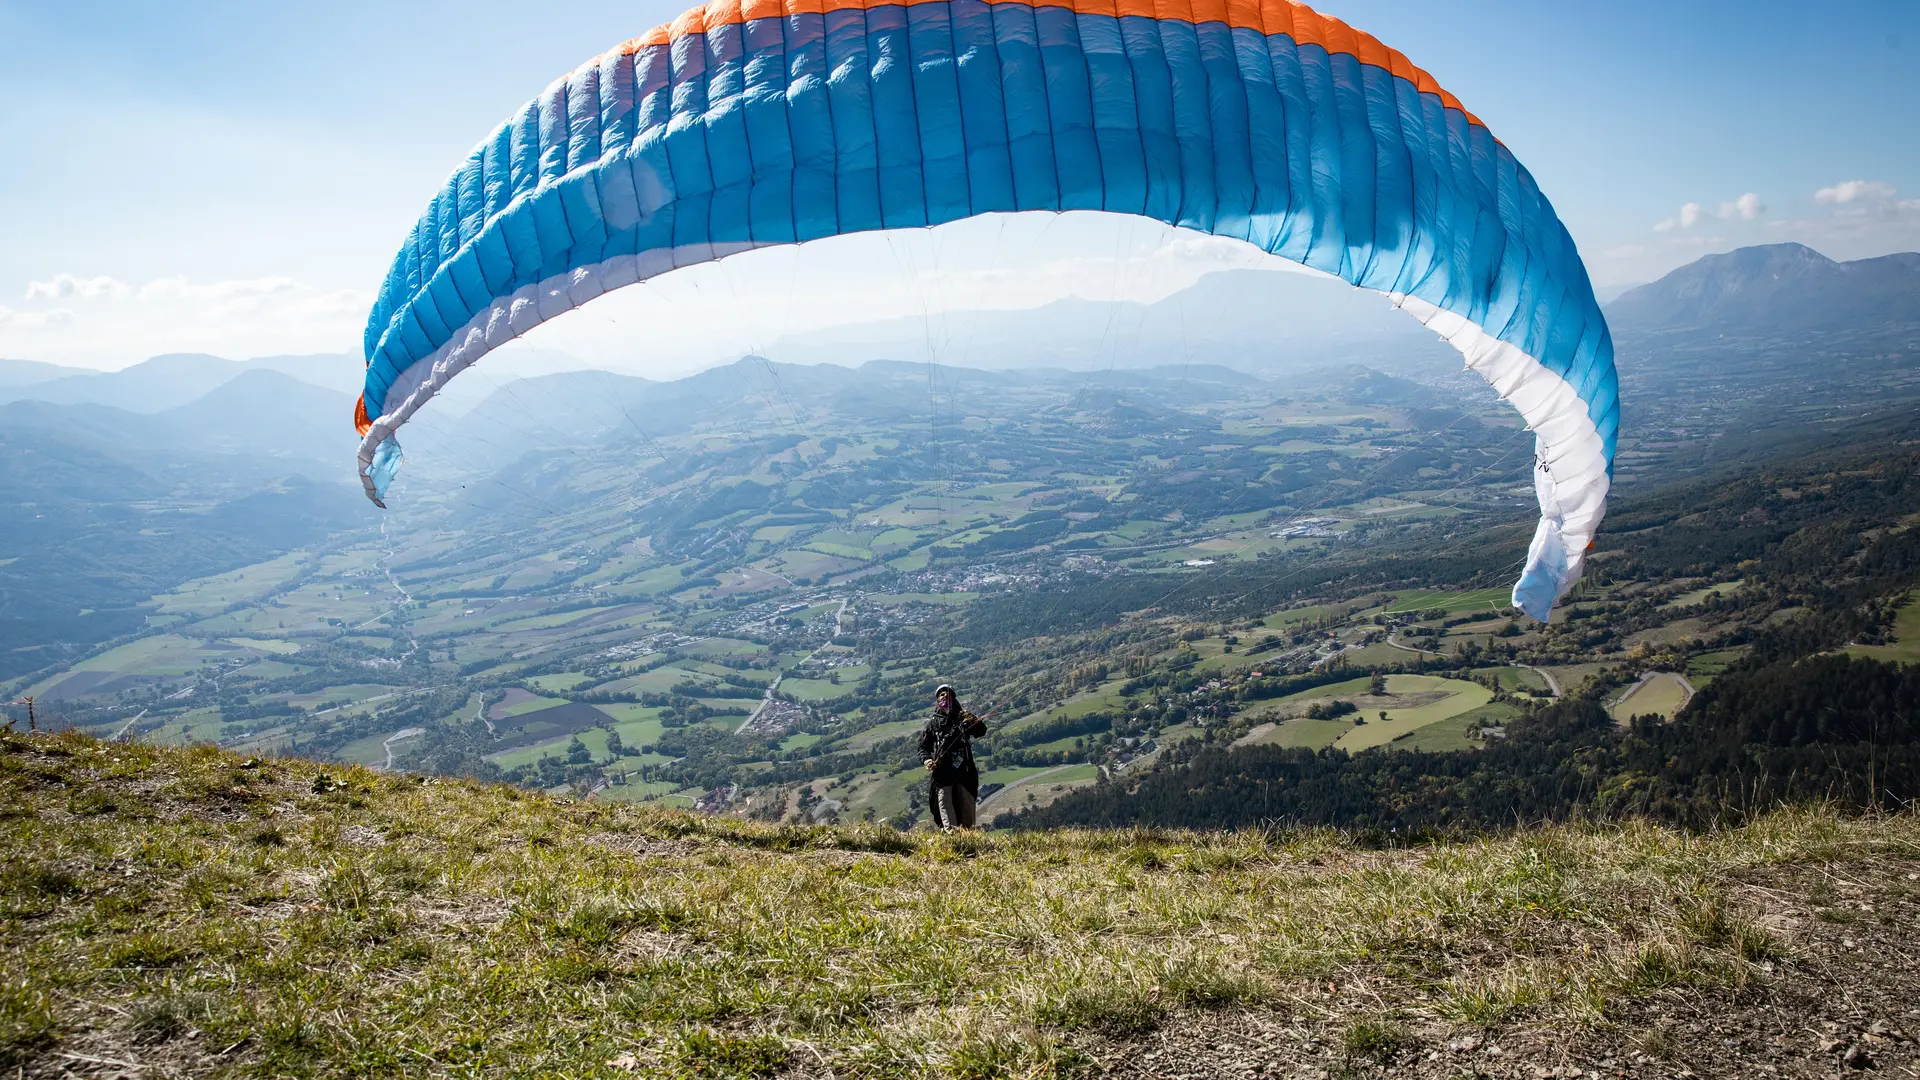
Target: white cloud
<point x="1745" y="208"/>
<point x="1847" y="191"/>
<point x="35" y="320"/>
<point x="179" y="288"/>
<point x="103" y="322"/>
<point x="1687" y="218"/>
<point x="69" y="286"/>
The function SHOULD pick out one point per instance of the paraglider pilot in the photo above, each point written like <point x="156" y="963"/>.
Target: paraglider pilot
<point x="947" y="745"/>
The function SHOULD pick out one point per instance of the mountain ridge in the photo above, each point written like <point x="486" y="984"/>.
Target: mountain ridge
<point x="1784" y="288"/>
<point x="168" y="380"/>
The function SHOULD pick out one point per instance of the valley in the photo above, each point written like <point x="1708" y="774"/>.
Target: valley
<point x="735" y="591"/>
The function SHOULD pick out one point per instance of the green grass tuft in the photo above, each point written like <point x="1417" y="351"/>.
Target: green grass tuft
<point x="1377" y="1039"/>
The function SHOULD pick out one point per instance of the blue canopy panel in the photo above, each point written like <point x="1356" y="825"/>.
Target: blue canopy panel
<point x="1258" y="120"/>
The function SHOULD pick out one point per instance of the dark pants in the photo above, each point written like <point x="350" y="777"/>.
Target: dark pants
<point x="952" y="805"/>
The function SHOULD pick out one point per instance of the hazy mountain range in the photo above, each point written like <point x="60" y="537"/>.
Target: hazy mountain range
<point x="1266" y="322"/>
<point x="1776" y="289"/>
<point x="281" y="415"/>
<point x="121" y="484"/>
<point x="165" y="382"/>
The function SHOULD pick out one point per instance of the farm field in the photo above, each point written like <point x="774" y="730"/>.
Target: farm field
<point x="1418" y="700"/>
<point x="1453" y="603"/>
<point x="1660" y="694"/>
<point x="1905" y="648"/>
<point x="161" y="656"/>
<point x="1301" y="733"/>
<point x="1412" y="703"/>
<point x="1457" y="732"/>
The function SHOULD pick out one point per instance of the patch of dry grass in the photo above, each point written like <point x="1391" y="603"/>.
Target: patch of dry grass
<point x="219" y="916"/>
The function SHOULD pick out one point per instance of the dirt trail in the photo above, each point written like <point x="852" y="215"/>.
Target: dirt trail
<point x="1410" y="648"/>
<point x="400" y="736"/>
<point x="126" y="731"/>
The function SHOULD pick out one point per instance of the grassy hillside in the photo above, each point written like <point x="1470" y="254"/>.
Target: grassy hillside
<point x="186" y="911"/>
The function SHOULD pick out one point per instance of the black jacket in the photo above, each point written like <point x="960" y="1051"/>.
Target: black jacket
<point x="948" y="736"/>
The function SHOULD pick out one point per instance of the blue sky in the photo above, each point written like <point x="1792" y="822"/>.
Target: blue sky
<point x="234" y="176"/>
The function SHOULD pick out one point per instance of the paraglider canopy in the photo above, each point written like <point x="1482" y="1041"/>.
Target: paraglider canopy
<point x="743" y="125"/>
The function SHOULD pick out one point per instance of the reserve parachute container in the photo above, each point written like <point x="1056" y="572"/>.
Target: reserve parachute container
<point x="748" y="123"/>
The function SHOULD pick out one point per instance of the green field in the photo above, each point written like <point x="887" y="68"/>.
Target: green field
<point x="1454" y="603"/>
<point x="1303" y="733"/>
<point x="1725" y="588"/>
<point x="208" y="595"/>
<point x="635" y="734"/>
<point x="635" y="790"/>
<point x="883" y="732"/>
<point x="1331" y="690"/>
<point x="818" y="689"/>
<point x="267" y="645"/>
<point x="397" y="928"/>
<point x="1906" y="636"/>
<point x="1515" y="678"/>
<point x="1452" y="733"/>
<point x="159" y="655"/>
<point x="1661" y="695"/>
<point x="1455" y="696"/>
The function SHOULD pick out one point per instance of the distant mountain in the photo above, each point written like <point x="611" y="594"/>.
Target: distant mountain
<point x="265" y="413"/>
<point x="1258" y="321"/>
<point x="575" y="408"/>
<point x="1773" y="290"/>
<point x="332" y="371"/>
<point x="169" y="381"/>
<point x="1607" y="294"/>
<point x="29" y="372"/>
<point x="147" y="387"/>
<point x="262" y="424"/>
<point x="104" y="507"/>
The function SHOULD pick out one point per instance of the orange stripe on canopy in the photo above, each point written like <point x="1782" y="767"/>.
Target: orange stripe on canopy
<point x="1298" y="21"/>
